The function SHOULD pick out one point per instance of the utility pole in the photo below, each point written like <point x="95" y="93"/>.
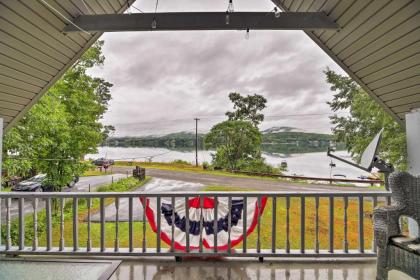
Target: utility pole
<point x="196" y="141"/>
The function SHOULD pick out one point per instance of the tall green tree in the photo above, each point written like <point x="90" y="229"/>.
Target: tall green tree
<point x="365" y="118"/>
<point x="63" y="126"/>
<point x="247" y="108"/>
<point x="236" y="142"/>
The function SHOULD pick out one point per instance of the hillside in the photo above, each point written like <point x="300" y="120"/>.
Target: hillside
<point x="275" y="140"/>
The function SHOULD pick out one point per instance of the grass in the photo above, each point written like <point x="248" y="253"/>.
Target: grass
<point x="173" y="166"/>
<point x="95" y="172"/>
<point x="6" y="189"/>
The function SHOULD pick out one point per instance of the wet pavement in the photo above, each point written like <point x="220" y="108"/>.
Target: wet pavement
<point x="82" y="186"/>
<point x="155" y="185"/>
<point x="245" y="269"/>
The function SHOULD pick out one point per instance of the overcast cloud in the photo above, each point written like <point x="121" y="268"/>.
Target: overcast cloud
<point x="162" y="80"/>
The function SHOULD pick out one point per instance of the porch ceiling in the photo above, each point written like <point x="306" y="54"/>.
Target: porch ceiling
<point x="34" y="52"/>
<point x="378" y="46"/>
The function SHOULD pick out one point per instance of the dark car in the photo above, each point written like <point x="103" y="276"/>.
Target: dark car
<point x="103" y="162"/>
<point x="37" y="184"/>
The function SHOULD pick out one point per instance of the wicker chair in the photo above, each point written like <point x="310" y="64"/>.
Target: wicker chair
<point x="396" y="251"/>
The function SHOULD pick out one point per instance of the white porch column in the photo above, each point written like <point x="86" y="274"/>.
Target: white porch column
<point x="1" y="161"/>
<point x="412" y="120"/>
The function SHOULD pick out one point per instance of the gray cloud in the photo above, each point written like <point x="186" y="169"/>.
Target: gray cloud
<point x="160" y="77"/>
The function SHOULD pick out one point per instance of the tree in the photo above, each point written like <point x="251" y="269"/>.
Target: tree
<point x="236" y="142"/>
<point x="63" y="126"/>
<point x="247" y="108"/>
<point x="365" y="119"/>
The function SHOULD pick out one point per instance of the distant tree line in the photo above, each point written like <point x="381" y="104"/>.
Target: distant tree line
<point x="272" y="142"/>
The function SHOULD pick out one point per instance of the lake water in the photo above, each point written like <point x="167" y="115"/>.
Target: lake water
<point x="307" y="164"/>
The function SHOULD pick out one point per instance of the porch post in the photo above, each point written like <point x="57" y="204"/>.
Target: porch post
<point x="412" y="120"/>
<point x="1" y="170"/>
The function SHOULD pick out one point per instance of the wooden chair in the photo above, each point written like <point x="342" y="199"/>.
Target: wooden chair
<point x="396" y="251"/>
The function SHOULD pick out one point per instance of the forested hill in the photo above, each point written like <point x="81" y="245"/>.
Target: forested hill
<point x="275" y="139"/>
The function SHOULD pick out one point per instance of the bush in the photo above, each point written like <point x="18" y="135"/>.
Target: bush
<point x="180" y="161"/>
<point x="257" y="165"/>
<point x="206" y="165"/>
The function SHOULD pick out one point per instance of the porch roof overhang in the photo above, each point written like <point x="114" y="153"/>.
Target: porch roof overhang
<point x="378" y="45"/>
<point x="35" y="53"/>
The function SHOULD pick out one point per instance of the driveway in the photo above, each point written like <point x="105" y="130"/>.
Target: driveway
<point x="155" y="185"/>
<point x="81" y="186"/>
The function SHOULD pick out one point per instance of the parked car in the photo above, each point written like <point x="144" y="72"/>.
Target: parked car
<point x="37" y="184"/>
<point x="103" y="162"/>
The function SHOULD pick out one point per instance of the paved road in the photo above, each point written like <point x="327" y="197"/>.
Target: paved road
<point x="247" y="183"/>
<point x="155" y="185"/>
<point x="81" y="186"/>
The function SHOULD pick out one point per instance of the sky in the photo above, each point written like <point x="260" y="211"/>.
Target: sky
<point x="163" y="80"/>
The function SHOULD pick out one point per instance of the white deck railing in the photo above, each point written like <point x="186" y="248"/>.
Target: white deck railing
<point x="22" y="210"/>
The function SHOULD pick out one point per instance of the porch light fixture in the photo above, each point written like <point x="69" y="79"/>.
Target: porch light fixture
<point x="277" y="12"/>
<point x="154" y="23"/>
<point x="227" y="19"/>
<point x="230" y="6"/>
<point x="247" y="34"/>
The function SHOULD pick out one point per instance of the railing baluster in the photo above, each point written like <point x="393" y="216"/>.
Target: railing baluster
<point x="89" y="238"/>
<point x="117" y="224"/>
<point x="130" y="224"/>
<point x="144" y="225"/>
<point x="35" y="240"/>
<point x="259" y="225"/>
<point x="187" y="225"/>
<point x="346" y="242"/>
<point x="21" y="224"/>
<point x="48" y="221"/>
<point x="287" y="224"/>
<point x="317" y="224"/>
<point x="361" y="226"/>
<point x="273" y="227"/>
<point x="8" y="235"/>
<point x="173" y="225"/>
<point x="302" y="225"/>
<point x="158" y="214"/>
<point x="62" y="203"/>
<point x="102" y="221"/>
<point x="229" y="224"/>
<point x="75" y="224"/>
<point x="375" y="203"/>
<point x="200" y="241"/>
<point x="215" y="224"/>
<point x="245" y="203"/>
<point x="331" y="227"/>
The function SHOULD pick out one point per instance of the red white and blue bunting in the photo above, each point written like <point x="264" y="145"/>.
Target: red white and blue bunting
<point x="195" y="214"/>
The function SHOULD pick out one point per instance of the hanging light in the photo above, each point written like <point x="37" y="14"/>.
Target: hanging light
<point x="247" y="34"/>
<point x="230" y="6"/>
<point x="277" y="12"/>
<point x="227" y="18"/>
<point x="154" y="23"/>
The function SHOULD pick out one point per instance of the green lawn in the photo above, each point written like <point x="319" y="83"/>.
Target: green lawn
<point x="96" y="172"/>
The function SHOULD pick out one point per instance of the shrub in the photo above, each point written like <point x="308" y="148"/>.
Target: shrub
<point x="180" y="161"/>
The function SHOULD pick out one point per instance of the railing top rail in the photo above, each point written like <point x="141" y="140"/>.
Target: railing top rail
<point x="191" y="194"/>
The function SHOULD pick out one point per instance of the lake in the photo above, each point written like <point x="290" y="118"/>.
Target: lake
<point x="307" y="164"/>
